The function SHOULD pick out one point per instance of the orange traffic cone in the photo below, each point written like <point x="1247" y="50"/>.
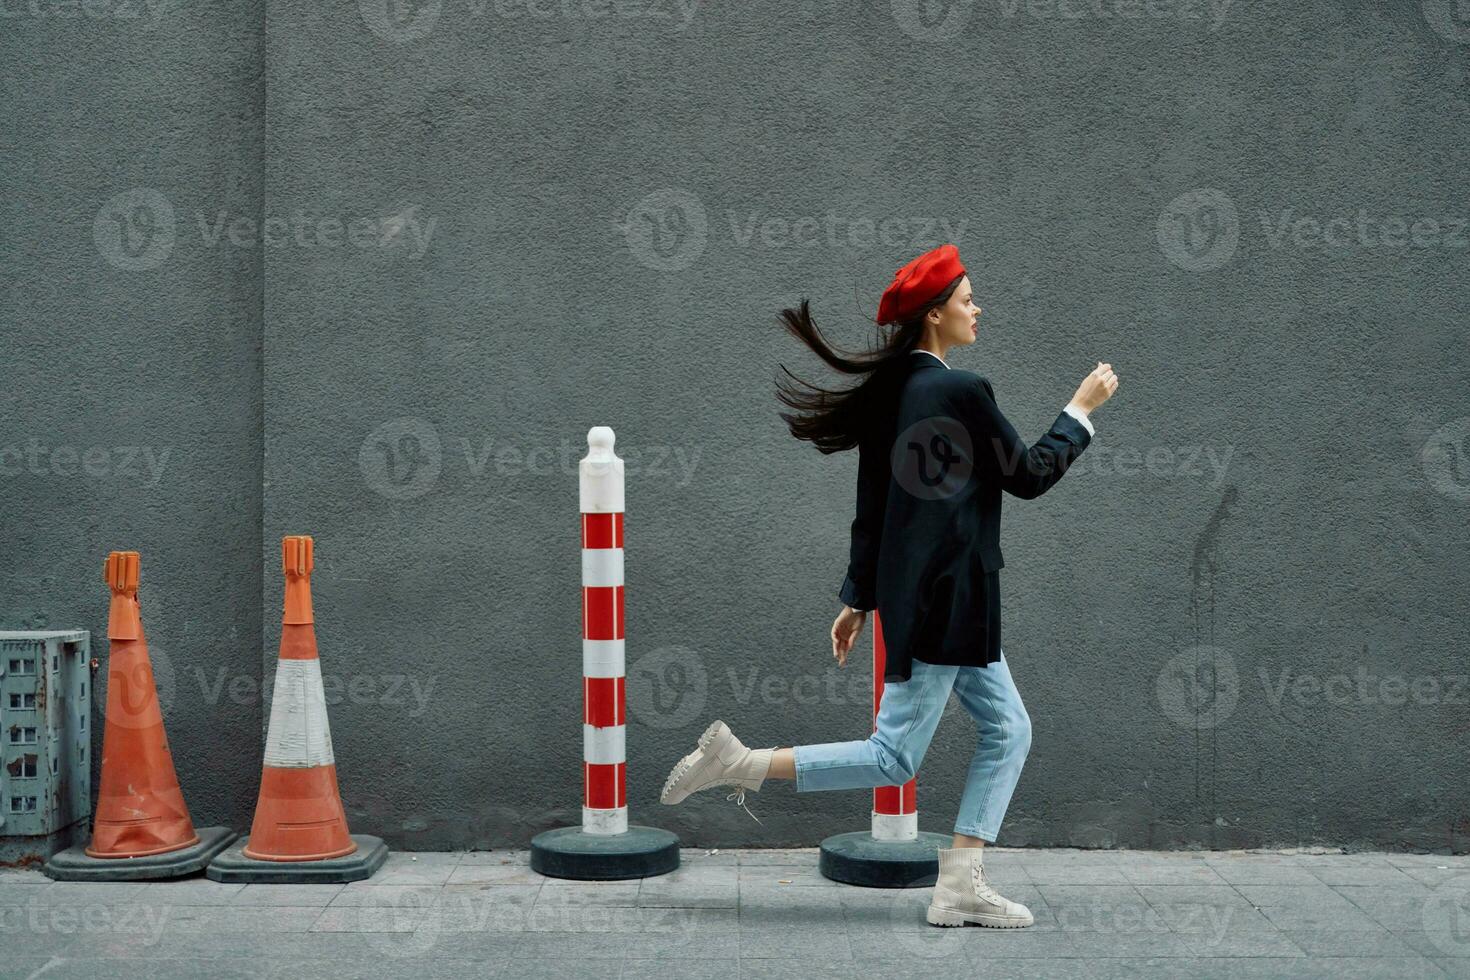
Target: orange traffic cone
<point x="140" y="808"/>
<point x="299" y="818"/>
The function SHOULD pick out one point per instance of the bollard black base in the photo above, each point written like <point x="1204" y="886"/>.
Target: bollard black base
<point x="858" y="859"/>
<point x="639" y="852"/>
<point x="75" y="864"/>
<point x="234" y="866"/>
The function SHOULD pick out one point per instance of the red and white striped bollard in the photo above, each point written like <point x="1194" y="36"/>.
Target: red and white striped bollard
<point x="895" y="808"/>
<point x="893" y="853"/>
<point x="604" y="712"/>
<point x="605" y="847"/>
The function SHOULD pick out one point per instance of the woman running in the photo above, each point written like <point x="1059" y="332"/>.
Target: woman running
<point x="934" y="455"/>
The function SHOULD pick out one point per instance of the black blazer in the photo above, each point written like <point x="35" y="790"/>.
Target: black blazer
<point x="926" y="538"/>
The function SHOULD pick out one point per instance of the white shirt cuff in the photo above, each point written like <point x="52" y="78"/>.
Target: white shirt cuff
<point x="1081" y="416"/>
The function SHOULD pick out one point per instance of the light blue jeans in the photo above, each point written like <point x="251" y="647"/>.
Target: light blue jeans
<point x="907" y="716"/>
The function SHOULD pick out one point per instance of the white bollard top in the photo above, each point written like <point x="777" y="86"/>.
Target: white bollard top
<point x="600" y="439"/>
<point x="601" y="474"/>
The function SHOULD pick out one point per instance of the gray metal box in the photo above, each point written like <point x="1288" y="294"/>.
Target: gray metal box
<point x="45" y="742"/>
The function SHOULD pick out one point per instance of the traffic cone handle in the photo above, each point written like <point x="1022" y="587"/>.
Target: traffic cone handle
<point x="120" y="572"/>
<point x="296" y="559"/>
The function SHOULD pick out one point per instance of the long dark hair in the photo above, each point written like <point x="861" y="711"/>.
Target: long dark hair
<point x="834" y="420"/>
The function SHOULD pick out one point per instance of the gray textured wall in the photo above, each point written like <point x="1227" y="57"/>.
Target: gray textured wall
<point x="130" y="414"/>
<point x="456" y="235"/>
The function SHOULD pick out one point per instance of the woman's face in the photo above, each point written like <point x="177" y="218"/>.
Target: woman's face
<point x="954" y="322"/>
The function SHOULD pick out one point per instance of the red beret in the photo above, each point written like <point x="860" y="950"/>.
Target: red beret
<point x="919" y="282"/>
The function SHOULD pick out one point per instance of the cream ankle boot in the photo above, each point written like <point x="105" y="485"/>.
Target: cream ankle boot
<point x="719" y="760"/>
<point x="962" y="895"/>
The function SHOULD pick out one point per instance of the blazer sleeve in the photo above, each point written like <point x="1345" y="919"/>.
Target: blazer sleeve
<point x="859" y="589"/>
<point x="1001" y="454"/>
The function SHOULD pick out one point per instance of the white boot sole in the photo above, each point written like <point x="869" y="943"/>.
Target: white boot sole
<point x="939" y="916"/>
<point x="714" y="739"/>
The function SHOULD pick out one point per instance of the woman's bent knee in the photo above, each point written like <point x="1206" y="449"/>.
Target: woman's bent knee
<point x="896" y="765"/>
<point x="901" y="770"/>
<point x="1018" y="735"/>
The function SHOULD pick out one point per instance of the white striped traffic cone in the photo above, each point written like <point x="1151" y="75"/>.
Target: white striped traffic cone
<point x="300" y="829"/>
<point x="299" y="816"/>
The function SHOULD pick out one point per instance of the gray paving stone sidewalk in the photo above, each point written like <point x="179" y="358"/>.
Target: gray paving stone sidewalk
<point x="763" y="913"/>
